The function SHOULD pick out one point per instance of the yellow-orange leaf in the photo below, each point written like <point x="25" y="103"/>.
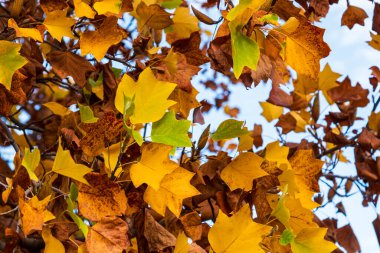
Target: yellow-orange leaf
<point x="25" y="32"/>
<point x="97" y="42"/>
<point x="153" y="166"/>
<point x="241" y="172"/>
<point x="238" y="233"/>
<point x="150" y="97"/>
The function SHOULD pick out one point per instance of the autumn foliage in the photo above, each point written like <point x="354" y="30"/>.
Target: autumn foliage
<point x="97" y="105"/>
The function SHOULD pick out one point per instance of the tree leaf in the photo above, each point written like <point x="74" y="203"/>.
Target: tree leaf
<point x="10" y="61"/>
<point x="241" y="172"/>
<point x="153" y="16"/>
<point x="153" y="166"/>
<point x="304" y="47"/>
<point x="97" y="42"/>
<point x="25" y="32"/>
<point x="184" y="25"/>
<point x="30" y="161"/>
<point x="86" y="114"/>
<point x="58" y="24"/>
<point x="108" y="6"/>
<point x="244" y="235"/>
<point x="65" y="165"/>
<point x="171" y="131"/>
<point x="173" y="189"/>
<point x="228" y="129"/>
<point x="245" y="51"/>
<point x="82" y="9"/>
<point x="150" y="97"/>
<point x="103" y="198"/>
<point x="108" y="235"/>
<point x="52" y="244"/>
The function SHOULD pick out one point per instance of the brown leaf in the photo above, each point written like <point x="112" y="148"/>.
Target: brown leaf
<point x="347" y="239"/>
<point x="157" y="236"/>
<point x="356" y="95"/>
<point x="103" y="198"/>
<point x="368" y="140"/>
<point x="278" y="96"/>
<point x="353" y="15"/>
<point x="376" y="18"/>
<point x="321" y="7"/>
<point x="203" y="17"/>
<point x="190" y="48"/>
<point x="287" y="123"/>
<point x="68" y="64"/>
<point x="100" y="134"/>
<point x="285" y="9"/>
<point x="177" y="70"/>
<point x="153" y="16"/>
<point x="17" y="95"/>
<point x="376" y="226"/>
<point x="192" y="225"/>
<point x="108" y="235"/>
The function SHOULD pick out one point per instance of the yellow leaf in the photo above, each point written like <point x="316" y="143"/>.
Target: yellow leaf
<point x="274" y="152"/>
<point x="271" y="111"/>
<point x="34" y="212"/>
<point x="304" y="47"/>
<point x="65" y="165"/>
<point x="375" y="41"/>
<point x="153" y="166"/>
<point x="238" y="233"/>
<point x="97" y="42"/>
<point x="82" y="9"/>
<point x="241" y="172"/>
<point x="306" y="167"/>
<point x="7" y="191"/>
<point x="182" y="244"/>
<point x="25" y="32"/>
<point x="58" y="24"/>
<point x="173" y="189"/>
<point x="245" y="142"/>
<point x="10" y="61"/>
<point x="57" y="108"/>
<point x="374" y="122"/>
<point x="108" y="6"/>
<point x="52" y="244"/>
<point x="111" y="156"/>
<point x="184" y="25"/>
<point x="300" y="122"/>
<point x="31" y="161"/>
<point x="150" y="97"/>
<point x="311" y="240"/>
<point x="327" y="79"/>
<point x="243" y="5"/>
<point x="290" y="212"/>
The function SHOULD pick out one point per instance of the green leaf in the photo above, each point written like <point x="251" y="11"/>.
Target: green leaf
<point x="73" y="191"/>
<point x="31" y="161"/>
<point x="129" y="106"/>
<point x="171" y="4"/>
<point x="228" y="129"/>
<point x="86" y="114"/>
<point x="171" y="131"/>
<point x="245" y="51"/>
<point x="97" y="86"/>
<point x="269" y="18"/>
<point x="80" y="223"/>
<point x="287" y="237"/>
<point x="10" y="61"/>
